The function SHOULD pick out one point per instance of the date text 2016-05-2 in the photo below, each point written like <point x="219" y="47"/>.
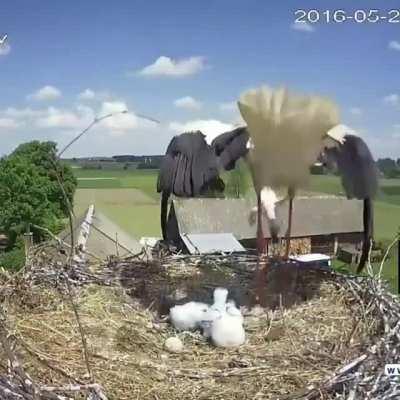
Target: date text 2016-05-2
<point x="340" y="16"/>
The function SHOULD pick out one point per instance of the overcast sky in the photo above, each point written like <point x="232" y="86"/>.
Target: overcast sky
<point x="184" y="63"/>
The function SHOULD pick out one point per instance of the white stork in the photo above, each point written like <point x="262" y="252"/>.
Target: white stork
<point x="192" y="163"/>
<point x="288" y="133"/>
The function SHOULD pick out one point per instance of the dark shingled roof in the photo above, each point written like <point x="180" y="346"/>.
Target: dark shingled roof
<point x="312" y="216"/>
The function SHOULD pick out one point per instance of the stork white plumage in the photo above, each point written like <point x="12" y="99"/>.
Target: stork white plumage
<point x="288" y="133"/>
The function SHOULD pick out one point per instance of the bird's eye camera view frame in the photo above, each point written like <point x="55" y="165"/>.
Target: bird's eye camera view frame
<point x="200" y="200"/>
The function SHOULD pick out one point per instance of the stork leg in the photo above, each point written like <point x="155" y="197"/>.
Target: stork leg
<point x="261" y="272"/>
<point x="289" y="230"/>
<point x="261" y="241"/>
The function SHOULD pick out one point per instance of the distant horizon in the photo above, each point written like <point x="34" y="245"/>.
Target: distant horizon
<point x="161" y="155"/>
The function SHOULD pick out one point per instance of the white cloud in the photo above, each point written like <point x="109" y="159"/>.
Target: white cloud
<point x="396" y="126"/>
<point x="394" y="45"/>
<point x="238" y="121"/>
<point x="22" y="113"/>
<point x="207" y="126"/>
<point x="392" y="99"/>
<point x="188" y="103"/>
<point x="228" y="106"/>
<point x="302" y="27"/>
<point x="62" y="119"/>
<point x="116" y="135"/>
<point x="169" y="67"/>
<point x="119" y="124"/>
<point x="49" y="118"/>
<point x="45" y="93"/>
<point x="74" y="119"/>
<point x="87" y="94"/>
<point x="8" y="123"/>
<point x="5" y="49"/>
<point x="356" y="111"/>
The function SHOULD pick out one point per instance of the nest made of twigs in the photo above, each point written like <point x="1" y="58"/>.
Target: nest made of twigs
<point x="330" y="342"/>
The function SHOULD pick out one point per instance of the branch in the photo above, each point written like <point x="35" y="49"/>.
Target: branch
<point x="93" y="123"/>
<point x="81" y="331"/>
<point x="98" y="120"/>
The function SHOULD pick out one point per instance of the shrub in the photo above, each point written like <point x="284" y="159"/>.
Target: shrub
<point x="13" y="259"/>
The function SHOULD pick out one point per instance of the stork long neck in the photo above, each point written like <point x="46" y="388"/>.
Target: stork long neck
<point x="268" y="201"/>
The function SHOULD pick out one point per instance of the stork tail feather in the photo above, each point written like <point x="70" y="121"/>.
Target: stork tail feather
<point x="164" y="213"/>
<point x="368" y="220"/>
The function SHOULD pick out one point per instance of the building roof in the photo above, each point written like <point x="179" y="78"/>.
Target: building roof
<point x="312" y="216"/>
<point x="103" y="234"/>
<point x="310" y="257"/>
<point x="209" y="243"/>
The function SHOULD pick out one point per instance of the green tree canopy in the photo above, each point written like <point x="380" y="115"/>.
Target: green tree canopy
<point x="238" y="180"/>
<point x="43" y="155"/>
<point x="29" y="189"/>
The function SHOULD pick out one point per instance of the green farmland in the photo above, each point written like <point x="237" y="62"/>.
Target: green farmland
<point x="129" y="198"/>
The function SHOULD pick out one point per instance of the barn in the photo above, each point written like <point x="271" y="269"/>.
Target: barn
<point x="321" y="224"/>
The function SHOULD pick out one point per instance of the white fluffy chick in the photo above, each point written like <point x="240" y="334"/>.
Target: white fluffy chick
<point x="188" y="316"/>
<point x="233" y="310"/>
<point x="220" y="296"/>
<point x="228" y="331"/>
<point x="215" y="311"/>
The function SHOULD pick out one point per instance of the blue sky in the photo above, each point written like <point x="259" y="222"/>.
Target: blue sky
<point x="185" y="63"/>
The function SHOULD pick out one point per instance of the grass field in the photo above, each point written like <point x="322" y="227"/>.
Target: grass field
<point x="144" y="180"/>
<point x="130" y="199"/>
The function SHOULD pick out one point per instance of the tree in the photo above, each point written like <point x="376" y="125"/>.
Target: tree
<point x="43" y="155"/>
<point x="388" y="167"/>
<point x="23" y="198"/>
<point x="30" y="192"/>
<point x="238" y="180"/>
<point x="386" y="163"/>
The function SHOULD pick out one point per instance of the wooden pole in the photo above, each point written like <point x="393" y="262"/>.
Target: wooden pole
<point x="289" y="230"/>
<point x="84" y="234"/>
<point x="335" y="245"/>
<point x="28" y="242"/>
<point x="116" y="244"/>
<point x="398" y="266"/>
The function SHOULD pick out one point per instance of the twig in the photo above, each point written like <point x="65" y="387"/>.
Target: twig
<point x="77" y="388"/>
<point x="113" y="240"/>
<point x="81" y="331"/>
<point x="387" y="254"/>
<point x="62" y="242"/>
<point x="15" y="365"/>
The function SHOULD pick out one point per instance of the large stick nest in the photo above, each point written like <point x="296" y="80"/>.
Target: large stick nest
<point x="67" y="329"/>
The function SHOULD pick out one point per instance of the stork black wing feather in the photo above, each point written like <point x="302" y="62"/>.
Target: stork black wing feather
<point x="356" y="166"/>
<point x="188" y="165"/>
<point x="166" y="174"/>
<point x="179" y="168"/>
<point x="204" y="169"/>
<point x="360" y="180"/>
<point x="230" y="147"/>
